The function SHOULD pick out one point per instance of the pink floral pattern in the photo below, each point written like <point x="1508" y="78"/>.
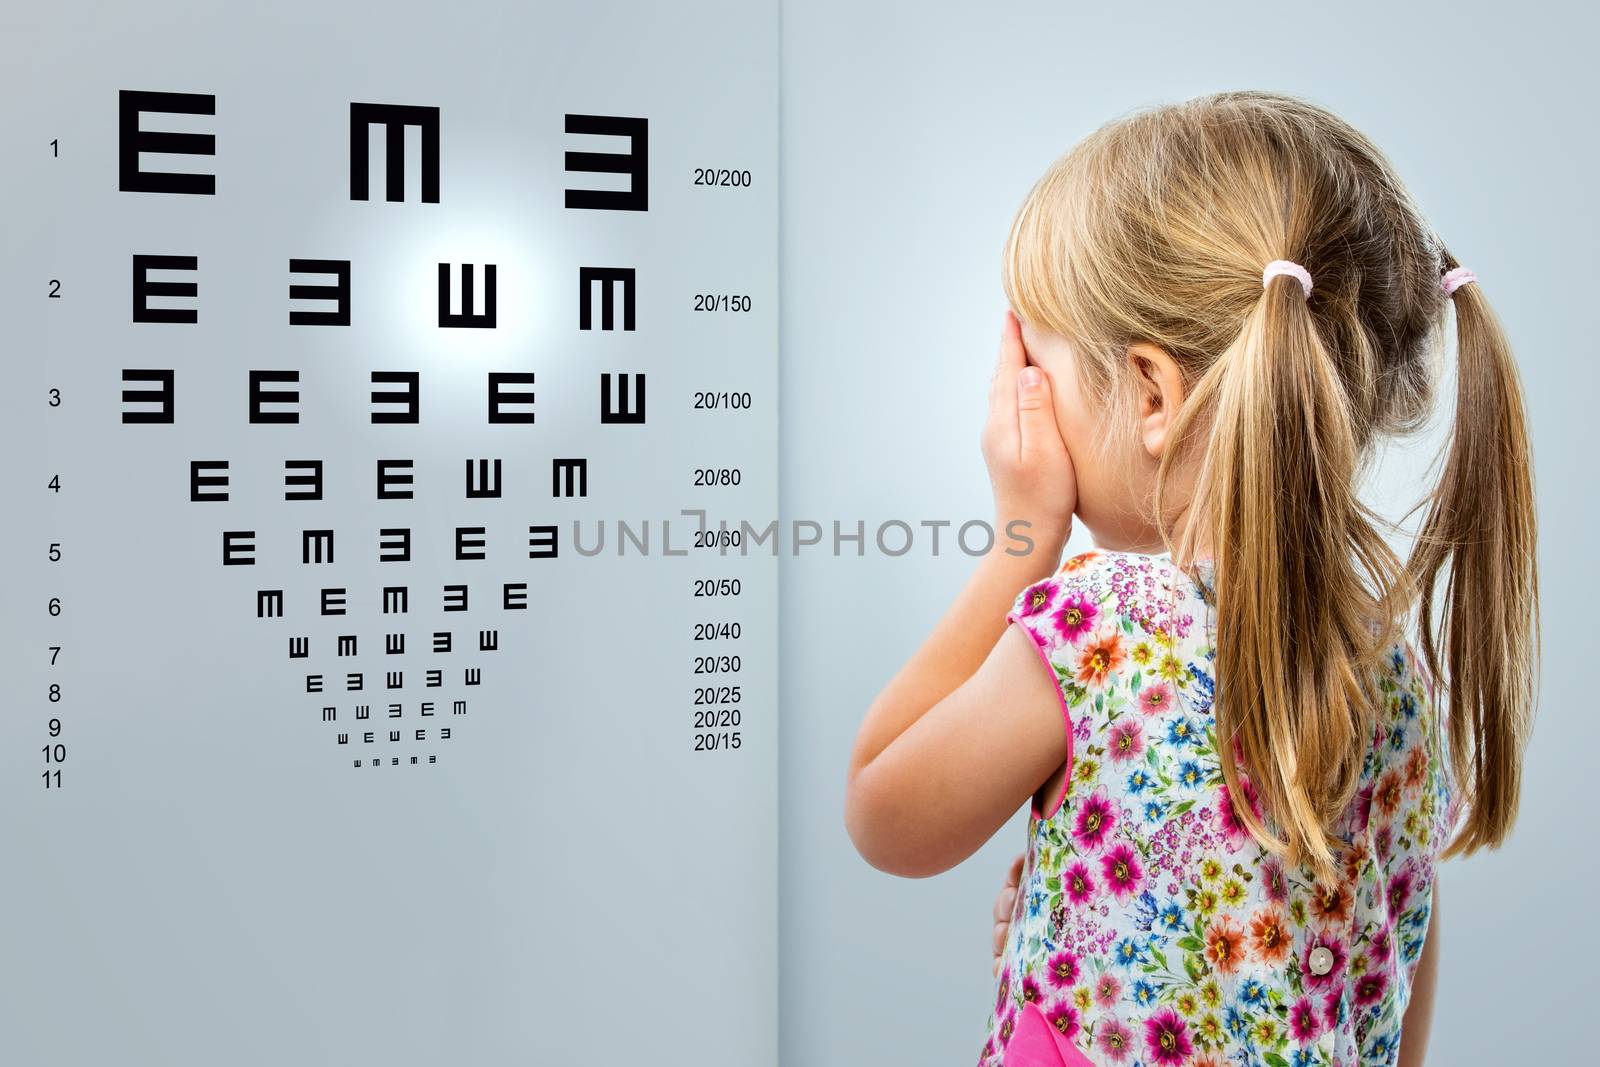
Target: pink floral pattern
<point x="1150" y="927"/>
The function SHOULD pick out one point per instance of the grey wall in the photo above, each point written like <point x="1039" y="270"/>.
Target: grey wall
<point x="910" y="133"/>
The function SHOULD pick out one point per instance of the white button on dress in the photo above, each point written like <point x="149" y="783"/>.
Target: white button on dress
<point x="1320" y="960"/>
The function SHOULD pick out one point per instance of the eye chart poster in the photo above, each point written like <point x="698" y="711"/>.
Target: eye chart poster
<point x="384" y="385"/>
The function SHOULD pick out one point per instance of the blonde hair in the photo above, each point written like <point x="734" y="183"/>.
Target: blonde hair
<point x="1156" y="228"/>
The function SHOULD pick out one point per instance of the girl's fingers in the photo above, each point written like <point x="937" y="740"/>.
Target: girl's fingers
<point x="1038" y="434"/>
<point x="1003" y="906"/>
<point x="1004" y="903"/>
<point x="1009" y="360"/>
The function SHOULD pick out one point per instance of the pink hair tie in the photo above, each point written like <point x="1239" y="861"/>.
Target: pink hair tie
<point x="1284" y="266"/>
<point x="1455" y="279"/>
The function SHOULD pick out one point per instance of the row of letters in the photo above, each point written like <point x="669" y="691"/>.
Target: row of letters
<point x="622" y="397"/>
<point x="132" y="140"/>
<point x="608" y="280"/>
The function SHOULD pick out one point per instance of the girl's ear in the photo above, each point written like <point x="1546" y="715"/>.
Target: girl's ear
<point x="1160" y="386"/>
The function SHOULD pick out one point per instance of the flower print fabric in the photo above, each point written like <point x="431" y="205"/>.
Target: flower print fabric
<point x="1151" y="928"/>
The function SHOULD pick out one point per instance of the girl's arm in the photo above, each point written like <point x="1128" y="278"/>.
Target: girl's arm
<point x="929" y="784"/>
<point x="970" y="726"/>
<point x="1418" y="1021"/>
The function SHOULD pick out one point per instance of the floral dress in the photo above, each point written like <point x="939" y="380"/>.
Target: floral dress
<point x="1151" y="928"/>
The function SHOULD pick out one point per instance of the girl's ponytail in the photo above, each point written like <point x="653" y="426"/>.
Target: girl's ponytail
<point x="1481" y="522"/>
<point x="1304" y="581"/>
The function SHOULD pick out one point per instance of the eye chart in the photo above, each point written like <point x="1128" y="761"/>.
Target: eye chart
<point x="385" y="682"/>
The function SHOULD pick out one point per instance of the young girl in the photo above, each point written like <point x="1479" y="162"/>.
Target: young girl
<point x="1241" y="771"/>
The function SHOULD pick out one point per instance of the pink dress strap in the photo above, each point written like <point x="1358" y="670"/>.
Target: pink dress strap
<point x="1038" y="1044"/>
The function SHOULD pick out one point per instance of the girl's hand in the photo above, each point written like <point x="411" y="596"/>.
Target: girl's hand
<point x="1028" y="462"/>
<point x="1003" y="906"/>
